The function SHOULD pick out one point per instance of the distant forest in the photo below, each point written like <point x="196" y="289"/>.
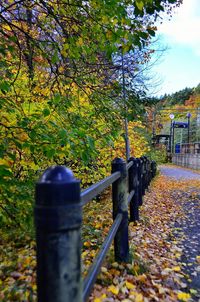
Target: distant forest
<point x="180" y="96"/>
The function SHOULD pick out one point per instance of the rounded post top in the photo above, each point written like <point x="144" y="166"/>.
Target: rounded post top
<point x="134" y="160"/>
<point x="118" y="160"/>
<point x="119" y="165"/>
<point x="57" y="174"/>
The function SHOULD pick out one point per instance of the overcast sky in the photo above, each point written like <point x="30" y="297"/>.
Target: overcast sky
<point x="180" y="64"/>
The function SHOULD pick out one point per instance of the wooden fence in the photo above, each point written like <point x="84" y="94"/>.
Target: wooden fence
<point x="58" y="220"/>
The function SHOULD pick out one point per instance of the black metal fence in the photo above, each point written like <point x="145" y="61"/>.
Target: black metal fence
<point x="58" y="219"/>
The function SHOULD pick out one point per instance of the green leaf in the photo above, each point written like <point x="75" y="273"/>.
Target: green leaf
<point x="50" y="153"/>
<point x="57" y="98"/>
<point x="151" y="32"/>
<point x="63" y="133"/>
<point x="4" y="86"/>
<point x="55" y="58"/>
<point x="32" y="134"/>
<point x="143" y="35"/>
<point x="46" y="112"/>
<point x="85" y="156"/>
<point x="91" y="142"/>
<point x="4" y="171"/>
<point x="139" y="4"/>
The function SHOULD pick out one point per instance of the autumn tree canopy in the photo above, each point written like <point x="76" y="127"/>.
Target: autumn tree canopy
<point x="60" y="90"/>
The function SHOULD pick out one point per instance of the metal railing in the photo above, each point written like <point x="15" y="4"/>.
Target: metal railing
<point x="191" y="148"/>
<point x="58" y="219"/>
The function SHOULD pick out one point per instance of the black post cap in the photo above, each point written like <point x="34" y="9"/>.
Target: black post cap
<point x="57" y="186"/>
<point x="57" y="174"/>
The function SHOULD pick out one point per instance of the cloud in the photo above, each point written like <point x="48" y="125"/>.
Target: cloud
<point x="184" y="26"/>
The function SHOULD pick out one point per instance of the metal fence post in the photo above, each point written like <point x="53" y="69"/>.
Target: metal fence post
<point x="139" y="169"/>
<point x="120" y="205"/>
<point x="133" y="185"/>
<point x="58" y="217"/>
<point x="142" y="175"/>
<point x="153" y="168"/>
<point x="145" y="171"/>
<point x="148" y="172"/>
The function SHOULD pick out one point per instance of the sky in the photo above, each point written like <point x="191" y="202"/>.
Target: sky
<point x="179" y="66"/>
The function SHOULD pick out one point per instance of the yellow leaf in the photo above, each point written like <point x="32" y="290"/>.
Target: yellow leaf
<point x="142" y="278"/>
<point x="87" y="244"/>
<point x="114" y="21"/>
<point x="104" y="269"/>
<point x="105" y="19"/>
<point x="193" y="291"/>
<point x="178" y="255"/>
<point x="34" y="287"/>
<point x="100" y="299"/>
<point x="198" y="259"/>
<point x="139" y="298"/>
<point x="129" y="285"/>
<point x="98" y="225"/>
<point x="183" y="296"/>
<point x="113" y="289"/>
<point x="139" y="4"/>
<point x="136" y="297"/>
<point x="115" y="264"/>
<point x="84" y="254"/>
<point x="108" y="34"/>
<point x="176" y="268"/>
<point x="80" y="42"/>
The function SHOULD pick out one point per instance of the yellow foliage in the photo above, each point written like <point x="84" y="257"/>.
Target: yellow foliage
<point x="176" y="268"/>
<point x="130" y="285"/>
<point x="138" y="144"/>
<point x="137" y="297"/>
<point x="113" y="289"/>
<point x="80" y="42"/>
<point x="198" y="259"/>
<point x="100" y="299"/>
<point x="183" y="296"/>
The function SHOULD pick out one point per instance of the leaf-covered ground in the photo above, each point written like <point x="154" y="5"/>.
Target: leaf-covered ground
<point x="158" y="269"/>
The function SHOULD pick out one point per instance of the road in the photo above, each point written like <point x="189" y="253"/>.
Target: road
<point x="188" y="229"/>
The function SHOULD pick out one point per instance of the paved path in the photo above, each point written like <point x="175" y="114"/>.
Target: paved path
<point x="188" y="229"/>
<point x="178" y="173"/>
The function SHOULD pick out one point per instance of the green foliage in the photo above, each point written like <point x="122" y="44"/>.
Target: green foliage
<point x="197" y="90"/>
<point x="158" y="155"/>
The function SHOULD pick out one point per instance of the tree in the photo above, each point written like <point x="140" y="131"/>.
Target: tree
<point x="56" y="87"/>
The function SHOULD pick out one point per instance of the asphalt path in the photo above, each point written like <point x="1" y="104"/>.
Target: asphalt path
<point x="188" y="229"/>
<point x="178" y="173"/>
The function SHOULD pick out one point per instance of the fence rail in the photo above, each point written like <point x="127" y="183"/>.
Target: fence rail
<point x="58" y="219"/>
<point x="191" y="148"/>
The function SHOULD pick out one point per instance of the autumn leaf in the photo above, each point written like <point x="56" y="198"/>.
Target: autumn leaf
<point x="100" y="299"/>
<point x="183" y="296"/>
<point x="176" y="268"/>
<point x="130" y="285"/>
<point x="113" y="289"/>
<point x="198" y="259"/>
